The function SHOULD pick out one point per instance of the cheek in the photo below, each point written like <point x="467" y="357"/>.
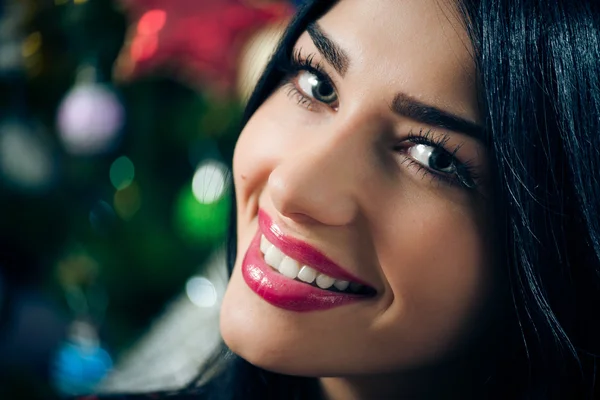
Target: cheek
<point x="258" y="150"/>
<point x="433" y="257"/>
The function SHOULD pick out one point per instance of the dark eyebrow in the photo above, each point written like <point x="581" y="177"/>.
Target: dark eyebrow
<point x="402" y="104"/>
<point x="411" y="108"/>
<point x="333" y="53"/>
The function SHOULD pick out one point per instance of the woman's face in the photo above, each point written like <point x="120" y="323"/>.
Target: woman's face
<point x="363" y="166"/>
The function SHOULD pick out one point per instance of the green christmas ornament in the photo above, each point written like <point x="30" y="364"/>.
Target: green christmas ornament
<point x="202" y="208"/>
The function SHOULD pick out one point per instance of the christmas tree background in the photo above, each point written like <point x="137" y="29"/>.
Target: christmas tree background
<point x="118" y="121"/>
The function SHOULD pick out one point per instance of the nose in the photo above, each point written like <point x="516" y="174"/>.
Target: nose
<point x="318" y="181"/>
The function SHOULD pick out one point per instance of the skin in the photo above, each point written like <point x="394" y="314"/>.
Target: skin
<point x="333" y="176"/>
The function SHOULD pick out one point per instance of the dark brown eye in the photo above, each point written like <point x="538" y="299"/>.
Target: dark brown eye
<point x="434" y="158"/>
<point x="440" y="160"/>
<point x="316" y="88"/>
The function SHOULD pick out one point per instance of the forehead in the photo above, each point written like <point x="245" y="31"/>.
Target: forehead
<point x="419" y="47"/>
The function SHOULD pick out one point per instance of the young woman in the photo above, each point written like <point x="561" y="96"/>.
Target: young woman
<point x="417" y="185"/>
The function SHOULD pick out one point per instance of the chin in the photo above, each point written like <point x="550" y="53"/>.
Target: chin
<point x="270" y="341"/>
<point x="307" y="344"/>
<point x="250" y="331"/>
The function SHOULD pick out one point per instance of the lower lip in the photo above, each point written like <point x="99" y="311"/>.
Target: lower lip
<point x="284" y="292"/>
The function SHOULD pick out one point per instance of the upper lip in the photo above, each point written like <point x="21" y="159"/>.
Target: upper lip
<point x="302" y="252"/>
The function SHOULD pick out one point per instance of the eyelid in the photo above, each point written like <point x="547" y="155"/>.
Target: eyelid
<point x="431" y="138"/>
<point x="302" y="99"/>
<point x="435" y="138"/>
<point x="297" y="65"/>
<point x="319" y="67"/>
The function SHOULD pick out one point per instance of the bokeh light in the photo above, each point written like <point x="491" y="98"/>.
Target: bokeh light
<point x="117" y="163"/>
<point x="122" y="173"/>
<point x="145" y="42"/>
<point x="202" y="209"/>
<point x="127" y="201"/>
<point x="12" y="37"/>
<point x="26" y="159"/>
<point x="143" y="47"/>
<point x="80" y="362"/>
<point x="210" y="182"/>
<point x="10" y="56"/>
<point x="152" y="22"/>
<point x="31" y="44"/>
<point x="201" y="292"/>
<point x="90" y="119"/>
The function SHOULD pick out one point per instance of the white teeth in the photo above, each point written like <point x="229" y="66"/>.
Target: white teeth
<point x="289" y="267"/>
<point x="307" y="274"/>
<point x="274" y="257"/>
<point x="324" y="281"/>
<point x="264" y="244"/>
<point x="341" y="285"/>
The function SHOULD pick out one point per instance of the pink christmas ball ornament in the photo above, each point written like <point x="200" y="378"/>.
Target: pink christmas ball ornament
<point x="90" y="119"/>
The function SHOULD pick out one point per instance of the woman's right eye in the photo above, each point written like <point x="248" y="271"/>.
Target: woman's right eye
<point x="314" y="87"/>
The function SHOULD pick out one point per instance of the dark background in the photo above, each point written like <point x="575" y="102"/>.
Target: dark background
<point x="108" y="110"/>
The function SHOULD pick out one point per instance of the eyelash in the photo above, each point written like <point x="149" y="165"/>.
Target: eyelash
<point x="295" y="64"/>
<point x="465" y="176"/>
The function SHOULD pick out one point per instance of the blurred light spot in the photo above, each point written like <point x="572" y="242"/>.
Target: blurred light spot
<point x="77" y="370"/>
<point x="31" y="44"/>
<point x="79" y="1"/>
<point x="151" y="22"/>
<point x="210" y="182"/>
<point x="90" y="119"/>
<point x="143" y="47"/>
<point x="83" y="334"/>
<point x="25" y="159"/>
<point x="127" y="201"/>
<point x="201" y="292"/>
<point x="80" y="362"/>
<point x="77" y="268"/>
<point x="145" y="42"/>
<point x="201" y="224"/>
<point x="122" y="173"/>
<point x="11" y="58"/>
<point x="102" y="217"/>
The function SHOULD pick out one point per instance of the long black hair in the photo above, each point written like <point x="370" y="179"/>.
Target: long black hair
<point x="538" y="65"/>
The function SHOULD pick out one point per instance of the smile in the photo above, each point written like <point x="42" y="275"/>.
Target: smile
<point x="293" y="269"/>
<point x="294" y="276"/>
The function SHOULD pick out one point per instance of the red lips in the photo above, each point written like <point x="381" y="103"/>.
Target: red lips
<point x="302" y="252"/>
<point x="284" y="292"/>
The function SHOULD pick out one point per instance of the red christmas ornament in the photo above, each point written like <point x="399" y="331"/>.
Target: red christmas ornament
<point x="199" y="40"/>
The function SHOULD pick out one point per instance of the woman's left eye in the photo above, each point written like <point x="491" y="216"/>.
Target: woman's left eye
<point x="434" y="158"/>
<point x="430" y="155"/>
<point x="316" y="88"/>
